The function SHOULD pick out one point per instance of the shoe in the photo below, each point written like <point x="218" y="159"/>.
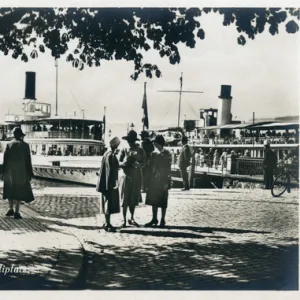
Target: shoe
<point x="124" y="224"/>
<point x="17" y="216"/>
<point x="133" y="223"/>
<point x="152" y="223"/>
<point x="162" y="224"/>
<point x="112" y="228"/>
<point x="10" y="213"/>
<point x="185" y="189"/>
<point x="109" y="228"/>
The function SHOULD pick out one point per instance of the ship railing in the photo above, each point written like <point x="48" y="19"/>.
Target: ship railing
<point x="60" y="134"/>
<point x="243" y="141"/>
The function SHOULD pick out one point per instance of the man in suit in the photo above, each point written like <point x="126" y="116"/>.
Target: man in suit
<point x="269" y="164"/>
<point x="184" y="162"/>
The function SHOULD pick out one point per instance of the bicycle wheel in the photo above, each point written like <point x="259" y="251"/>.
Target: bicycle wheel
<point x="279" y="185"/>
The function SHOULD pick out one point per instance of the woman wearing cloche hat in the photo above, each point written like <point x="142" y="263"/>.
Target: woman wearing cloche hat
<point x="107" y="184"/>
<point x="159" y="183"/>
<point x="132" y="160"/>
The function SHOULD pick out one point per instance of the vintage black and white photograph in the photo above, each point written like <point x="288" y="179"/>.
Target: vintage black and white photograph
<point x="149" y="147"/>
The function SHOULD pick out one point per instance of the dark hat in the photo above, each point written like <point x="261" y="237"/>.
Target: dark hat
<point x="159" y="139"/>
<point x="145" y="135"/>
<point x="131" y="136"/>
<point x="17" y="131"/>
<point x="184" y="138"/>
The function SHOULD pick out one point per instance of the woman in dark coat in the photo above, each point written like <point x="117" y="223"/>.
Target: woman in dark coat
<point x="160" y="177"/>
<point x="108" y="184"/>
<point x="17" y="173"/>
<point x="132" y="160"/>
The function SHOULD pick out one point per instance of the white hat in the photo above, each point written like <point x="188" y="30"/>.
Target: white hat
<point x="266" y="143"/>
<point x="115" y="142"/>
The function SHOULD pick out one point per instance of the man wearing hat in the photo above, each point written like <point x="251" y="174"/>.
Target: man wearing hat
<point x="17" y="173"/>
<point x="184" y="162"/>
<point x="107" y="184"/>
<point x="132" y="161"/>
<point x="269" y="164"/>
<point x="148" y="147"/>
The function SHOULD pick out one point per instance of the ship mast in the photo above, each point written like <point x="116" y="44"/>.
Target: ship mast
<point x="180" y="93"/>
<point x="56" y="87"/>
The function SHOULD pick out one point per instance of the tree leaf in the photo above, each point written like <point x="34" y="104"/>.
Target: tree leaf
<point x="292" y="27"/>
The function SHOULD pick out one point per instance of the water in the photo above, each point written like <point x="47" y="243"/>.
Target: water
<point x="39" y="184"/>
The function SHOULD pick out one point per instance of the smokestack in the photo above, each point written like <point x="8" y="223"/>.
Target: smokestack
<point x="224" y="111"/>
<point x="30" y="86"/>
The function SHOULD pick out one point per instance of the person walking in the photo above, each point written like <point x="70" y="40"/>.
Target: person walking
<point x="148" y="147"/>
<point x="132" y="160"/>
<point x="184" y="162"/>
<point x="107" y="184"/>
<point x="159" y="183"/>
<point x="17" y="173"/>
<point x="269" y="165"/>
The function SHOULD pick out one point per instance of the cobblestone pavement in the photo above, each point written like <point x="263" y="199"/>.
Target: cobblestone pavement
<point x="215" y="239"/>
<point x="35" y="254"/>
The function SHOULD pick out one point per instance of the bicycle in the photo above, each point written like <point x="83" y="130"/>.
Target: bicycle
<point x="282" y="181"/>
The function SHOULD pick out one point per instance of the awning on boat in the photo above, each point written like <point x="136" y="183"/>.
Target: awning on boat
<point x="234" y="126"/>
<point x="171" y="129"/>
<point x="293" y="125"/>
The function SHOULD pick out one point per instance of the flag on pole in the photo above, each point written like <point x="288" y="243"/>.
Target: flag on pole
<point x="145" y="119"/>
<point x="104" y="121"/>
<point x="181" y="81"/>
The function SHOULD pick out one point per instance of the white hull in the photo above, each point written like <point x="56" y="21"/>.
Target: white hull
<point x="88" y="176"/>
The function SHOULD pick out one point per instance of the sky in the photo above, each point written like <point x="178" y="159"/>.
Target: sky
<point x="264" y="75"/>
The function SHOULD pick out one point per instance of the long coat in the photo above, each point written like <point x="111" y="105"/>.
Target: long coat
<point x="108" y="184"/>
<point x="160" y="175"/>
<point x="133" y="160"/>
<point x="148" y="147"/>
<point x="17" y="172"/>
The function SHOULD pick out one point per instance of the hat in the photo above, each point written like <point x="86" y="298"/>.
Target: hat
<point x="17" y="131"/>
<point x="266" y="143"/>
<point x="184" y="138"/>
<point x="159" y="139"/>
<point x="131" y="136"/>
<point x="115" y="142"/>
<point x="145" y="135"/>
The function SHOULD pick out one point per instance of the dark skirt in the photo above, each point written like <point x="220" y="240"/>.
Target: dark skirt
<point x="19" y="192"/>
<point x="110" y="202"/>
<point x="157" y="196"/>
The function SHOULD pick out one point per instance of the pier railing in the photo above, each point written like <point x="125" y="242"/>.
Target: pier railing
<point x="230" y="165"/>
<point x="247" y="166"/>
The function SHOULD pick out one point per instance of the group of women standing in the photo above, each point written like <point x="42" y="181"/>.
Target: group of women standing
<point x="126" y="188"/>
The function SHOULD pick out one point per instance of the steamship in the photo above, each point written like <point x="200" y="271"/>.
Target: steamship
<point x="70" y="148"/>
<point x="63" y="148"/>
<point x="217" y="130"/>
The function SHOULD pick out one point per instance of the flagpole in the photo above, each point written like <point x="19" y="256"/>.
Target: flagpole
<point x="104" y="116"/>
<point x="145" y="83"/>
<point x="180" y="92"/>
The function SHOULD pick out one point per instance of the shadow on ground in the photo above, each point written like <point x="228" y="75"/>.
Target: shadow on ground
<point x="37" y="270"/>
<point x="192" y="266"/>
